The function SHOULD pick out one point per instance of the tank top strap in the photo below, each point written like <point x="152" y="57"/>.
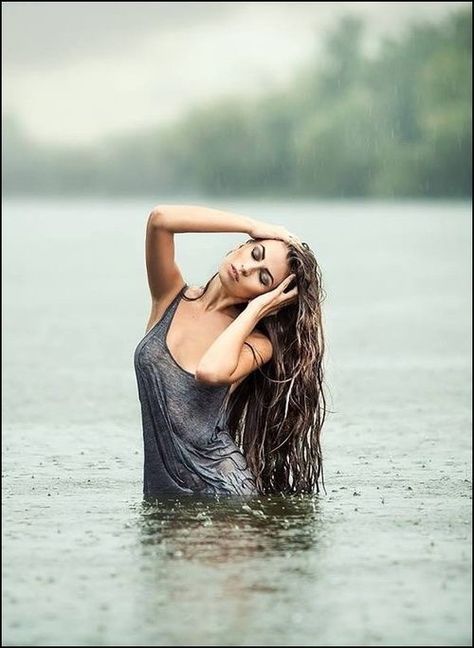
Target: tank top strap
<point x="178" y="295"/>
<point x="172" y="306"/>
<point x="167" y="315"/>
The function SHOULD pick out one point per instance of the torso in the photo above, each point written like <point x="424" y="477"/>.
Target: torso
<point x="192" y="331"/>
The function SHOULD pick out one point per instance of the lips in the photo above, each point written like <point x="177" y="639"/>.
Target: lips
<point x="234" y="272"/>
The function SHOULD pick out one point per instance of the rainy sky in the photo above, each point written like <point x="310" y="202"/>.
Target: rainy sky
<point x="74" y="72"/>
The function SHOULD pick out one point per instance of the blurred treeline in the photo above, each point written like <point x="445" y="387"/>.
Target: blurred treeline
<point x="395" y="124"/>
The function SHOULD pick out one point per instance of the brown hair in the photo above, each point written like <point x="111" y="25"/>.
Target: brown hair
<point x="276" y="413"/>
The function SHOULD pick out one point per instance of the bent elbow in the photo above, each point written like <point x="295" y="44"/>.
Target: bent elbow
<point x="208" y="377"/>
<point x="156" y="218"/>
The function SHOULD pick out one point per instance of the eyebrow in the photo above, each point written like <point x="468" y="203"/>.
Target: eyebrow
<point x="263" y="256"/>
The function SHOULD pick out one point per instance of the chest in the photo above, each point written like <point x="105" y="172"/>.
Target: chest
<point x="191" y="332"/>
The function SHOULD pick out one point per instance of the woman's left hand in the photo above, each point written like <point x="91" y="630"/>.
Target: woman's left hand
<point x="262" y="230"/>
<point x="270" y="302"/>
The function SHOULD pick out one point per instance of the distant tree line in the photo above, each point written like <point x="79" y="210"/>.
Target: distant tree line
<point x="394" y="124"/>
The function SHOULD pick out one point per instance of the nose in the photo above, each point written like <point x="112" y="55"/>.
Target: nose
<point x="249" y="266"/>
<point x="244" y="271"/>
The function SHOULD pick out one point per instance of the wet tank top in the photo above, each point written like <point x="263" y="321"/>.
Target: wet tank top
<point x="186" y="446"/>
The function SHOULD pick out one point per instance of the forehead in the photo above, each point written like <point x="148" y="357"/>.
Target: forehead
<point x="275" y="257"/>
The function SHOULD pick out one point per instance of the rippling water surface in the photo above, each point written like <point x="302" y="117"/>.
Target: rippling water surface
<point x="382" y="559"/>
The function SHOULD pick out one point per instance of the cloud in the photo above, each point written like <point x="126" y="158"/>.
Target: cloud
<point x="38" y="34"/>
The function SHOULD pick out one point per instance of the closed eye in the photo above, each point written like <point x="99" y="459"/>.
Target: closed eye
<point x="256" y="255"/>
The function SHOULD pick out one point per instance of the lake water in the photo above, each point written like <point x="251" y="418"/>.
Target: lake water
<point x="383" y="559"/>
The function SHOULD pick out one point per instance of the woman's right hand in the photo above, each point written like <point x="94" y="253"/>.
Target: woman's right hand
<point x="261" y="230"/>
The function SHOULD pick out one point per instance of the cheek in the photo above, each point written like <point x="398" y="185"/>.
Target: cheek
<point x="252" y="284"/>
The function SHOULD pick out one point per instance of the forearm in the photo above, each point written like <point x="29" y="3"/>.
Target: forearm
<point x="194" y="218"/>
<point x="221" y="359"/>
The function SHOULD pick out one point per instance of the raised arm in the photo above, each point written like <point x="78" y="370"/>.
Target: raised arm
<point x="194" y="218"/>
<point x="164" y="275"/>
<point x="227" y="360"/>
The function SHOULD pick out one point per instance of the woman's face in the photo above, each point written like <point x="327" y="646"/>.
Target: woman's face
<point x="261" y="266"/>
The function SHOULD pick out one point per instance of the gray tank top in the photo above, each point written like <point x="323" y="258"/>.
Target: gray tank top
<point x="186" y="446"/>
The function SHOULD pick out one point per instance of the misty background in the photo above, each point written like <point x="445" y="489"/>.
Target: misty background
<point x="301" y="99"/>
<point x="349" y="124"/>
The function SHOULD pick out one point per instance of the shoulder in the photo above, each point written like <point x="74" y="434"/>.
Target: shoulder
<point x="261" y="345"/>
<point x="193" y="291"/>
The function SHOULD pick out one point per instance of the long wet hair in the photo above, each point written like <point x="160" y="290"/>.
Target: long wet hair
<point x="277" y="412"/>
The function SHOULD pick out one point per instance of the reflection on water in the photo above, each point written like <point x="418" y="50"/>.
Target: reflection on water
<point x="228" y="529"/>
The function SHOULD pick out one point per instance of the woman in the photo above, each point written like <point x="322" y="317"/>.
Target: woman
<point x="230" y="377"/>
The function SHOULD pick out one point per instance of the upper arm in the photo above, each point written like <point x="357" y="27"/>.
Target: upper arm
<point x="163" y="272"/>
<point x="256" y="351"/>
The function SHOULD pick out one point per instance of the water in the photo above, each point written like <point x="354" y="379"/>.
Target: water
<point x="382" y="559"/>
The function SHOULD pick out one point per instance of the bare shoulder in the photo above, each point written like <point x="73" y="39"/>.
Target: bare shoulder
<point x="193" y="291"/>
<point x="256" y="336"/>
<point x="260" y="340"/>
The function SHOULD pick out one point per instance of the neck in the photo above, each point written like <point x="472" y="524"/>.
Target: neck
<point x="217" y="299"/>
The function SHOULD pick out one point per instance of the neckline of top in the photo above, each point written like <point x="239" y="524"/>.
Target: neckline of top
<point x="175" y="302"/>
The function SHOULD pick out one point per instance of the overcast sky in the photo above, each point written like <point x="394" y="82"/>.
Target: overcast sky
<point x="74" y="72"/>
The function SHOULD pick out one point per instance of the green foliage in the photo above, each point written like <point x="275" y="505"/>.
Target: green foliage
<point x="396" y="124"/>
